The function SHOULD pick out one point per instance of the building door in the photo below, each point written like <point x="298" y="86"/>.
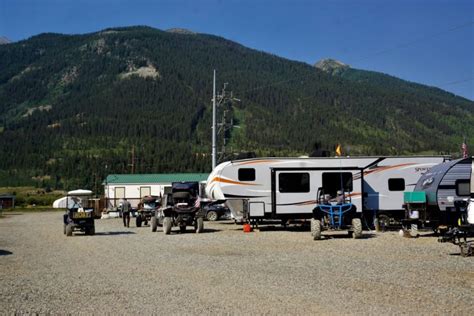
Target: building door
<point x="144" y="191"/>
<point x="119" y="194"/>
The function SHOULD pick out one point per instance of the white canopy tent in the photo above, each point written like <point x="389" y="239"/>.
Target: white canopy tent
<point x="80" y="192"/>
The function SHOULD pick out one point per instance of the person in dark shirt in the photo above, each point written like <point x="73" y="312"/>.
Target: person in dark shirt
<point x="126" y="207"/>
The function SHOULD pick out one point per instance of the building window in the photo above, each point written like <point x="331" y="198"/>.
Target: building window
<point x="293" y="182"/>
<point x="337" y="181"/>
<point x="246" y="174"/>
<point x="396" y="184"/>
<point x="463" y="187"/>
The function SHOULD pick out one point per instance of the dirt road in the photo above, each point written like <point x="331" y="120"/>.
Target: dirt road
<point x="224" y="271"/>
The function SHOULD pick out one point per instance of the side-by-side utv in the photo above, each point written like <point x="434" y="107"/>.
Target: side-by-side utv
<point x="182" y="208"/>
<point x="335" y="214"/>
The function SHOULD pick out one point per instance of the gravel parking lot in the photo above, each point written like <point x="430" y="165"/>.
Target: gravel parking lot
<point x="224" y="271"/>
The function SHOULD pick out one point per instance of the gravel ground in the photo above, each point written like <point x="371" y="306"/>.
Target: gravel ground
<point x="224" y="271"/>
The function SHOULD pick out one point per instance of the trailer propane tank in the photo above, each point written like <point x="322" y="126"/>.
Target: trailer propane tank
<point x="470" y="212"/>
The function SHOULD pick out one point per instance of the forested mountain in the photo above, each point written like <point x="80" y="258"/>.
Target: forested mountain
<point x="76" y="107"/>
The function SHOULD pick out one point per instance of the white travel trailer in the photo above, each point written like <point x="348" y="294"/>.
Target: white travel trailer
<point x="286" y="188"/>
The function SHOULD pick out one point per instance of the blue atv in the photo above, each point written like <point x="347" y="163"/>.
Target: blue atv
<point x="335" y="214"/>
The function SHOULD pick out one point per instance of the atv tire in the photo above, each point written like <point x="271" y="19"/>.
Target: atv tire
<point x="167" y="222"/>
<point x="356" y="228"/>
<point x="199" y="225"/>
<point x="316" y="229"/>
<point x="153" y="224"/>
<point x="139" y="221"/>
<point x="69" y="230"/>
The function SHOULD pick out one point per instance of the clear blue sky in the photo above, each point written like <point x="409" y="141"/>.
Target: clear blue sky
<point x="425" y="41"/>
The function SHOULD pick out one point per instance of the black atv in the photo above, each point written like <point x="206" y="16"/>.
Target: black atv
<point x="183" y="208"/>
<point x="144" y="213"/>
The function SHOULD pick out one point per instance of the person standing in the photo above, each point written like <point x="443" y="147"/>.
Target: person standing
<point x="126" y="207"/>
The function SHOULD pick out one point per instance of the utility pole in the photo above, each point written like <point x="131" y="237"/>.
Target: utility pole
<point x="132" y="164"/>
<point x="214" y="132"/>
<point x="217" y="100"/>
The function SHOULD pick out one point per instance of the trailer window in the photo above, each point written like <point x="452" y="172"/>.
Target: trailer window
<point x="396" y="184"/>
<point x="293" y="182"/>
<point x="246" y="174"/>
<point x="463" y="187"/>
<point x="335" y="181"/>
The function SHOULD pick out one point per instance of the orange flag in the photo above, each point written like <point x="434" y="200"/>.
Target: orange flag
<point x="338" y="150"/>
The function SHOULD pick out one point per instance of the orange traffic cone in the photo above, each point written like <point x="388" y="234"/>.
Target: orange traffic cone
<point x="247" y="228"/>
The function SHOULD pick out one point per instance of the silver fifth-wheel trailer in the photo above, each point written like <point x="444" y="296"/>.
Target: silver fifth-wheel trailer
<point x="286" y="188"/>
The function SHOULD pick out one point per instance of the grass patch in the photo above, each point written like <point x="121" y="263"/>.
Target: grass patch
<point x="27" y="198"/>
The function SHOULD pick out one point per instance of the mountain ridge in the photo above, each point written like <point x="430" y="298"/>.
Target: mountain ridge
<point x="75" y="103"/>
<point x="4" y="40"/>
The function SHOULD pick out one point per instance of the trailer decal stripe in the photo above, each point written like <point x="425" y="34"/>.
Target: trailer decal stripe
<point x="314" y="201"/>
<point x="299" y="203"/>
<point x="222" y="180"/>
<point x="258" y="161"/>
<point x="383" y="168"/>
<point x="243" y="196"/>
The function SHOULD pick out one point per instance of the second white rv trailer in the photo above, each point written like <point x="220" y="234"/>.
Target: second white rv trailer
<point x="286" y="188"/>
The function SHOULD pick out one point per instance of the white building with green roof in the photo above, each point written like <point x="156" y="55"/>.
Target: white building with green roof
<point x="135" y="186"/>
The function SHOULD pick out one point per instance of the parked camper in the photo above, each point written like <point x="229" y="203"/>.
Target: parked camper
<point x="445" y="202"/>
<point x="286" y="188"/>
<point x="445" y="187"/>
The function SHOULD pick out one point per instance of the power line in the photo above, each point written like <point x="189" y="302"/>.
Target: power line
<point x="381" y="52"/>
<point x="456" y="82"/>
<point x="413" y="42"/>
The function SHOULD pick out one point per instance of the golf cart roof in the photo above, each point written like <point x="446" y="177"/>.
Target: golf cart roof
<point x="80" y="192"/>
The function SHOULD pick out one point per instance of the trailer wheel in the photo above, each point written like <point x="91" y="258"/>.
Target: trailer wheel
<point x="356" y="228"/>
<point x="69" y="230"/>
<point x="167" y="225"/>
<point x="466" y="250"/>
<point x="153" y="224"/>
<point x="199" y="225"/>
<point x="384" y="222"/>
<point x="316" y="229"/>
<point x="139" y="221"/>
<point x="212" y="216"/>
